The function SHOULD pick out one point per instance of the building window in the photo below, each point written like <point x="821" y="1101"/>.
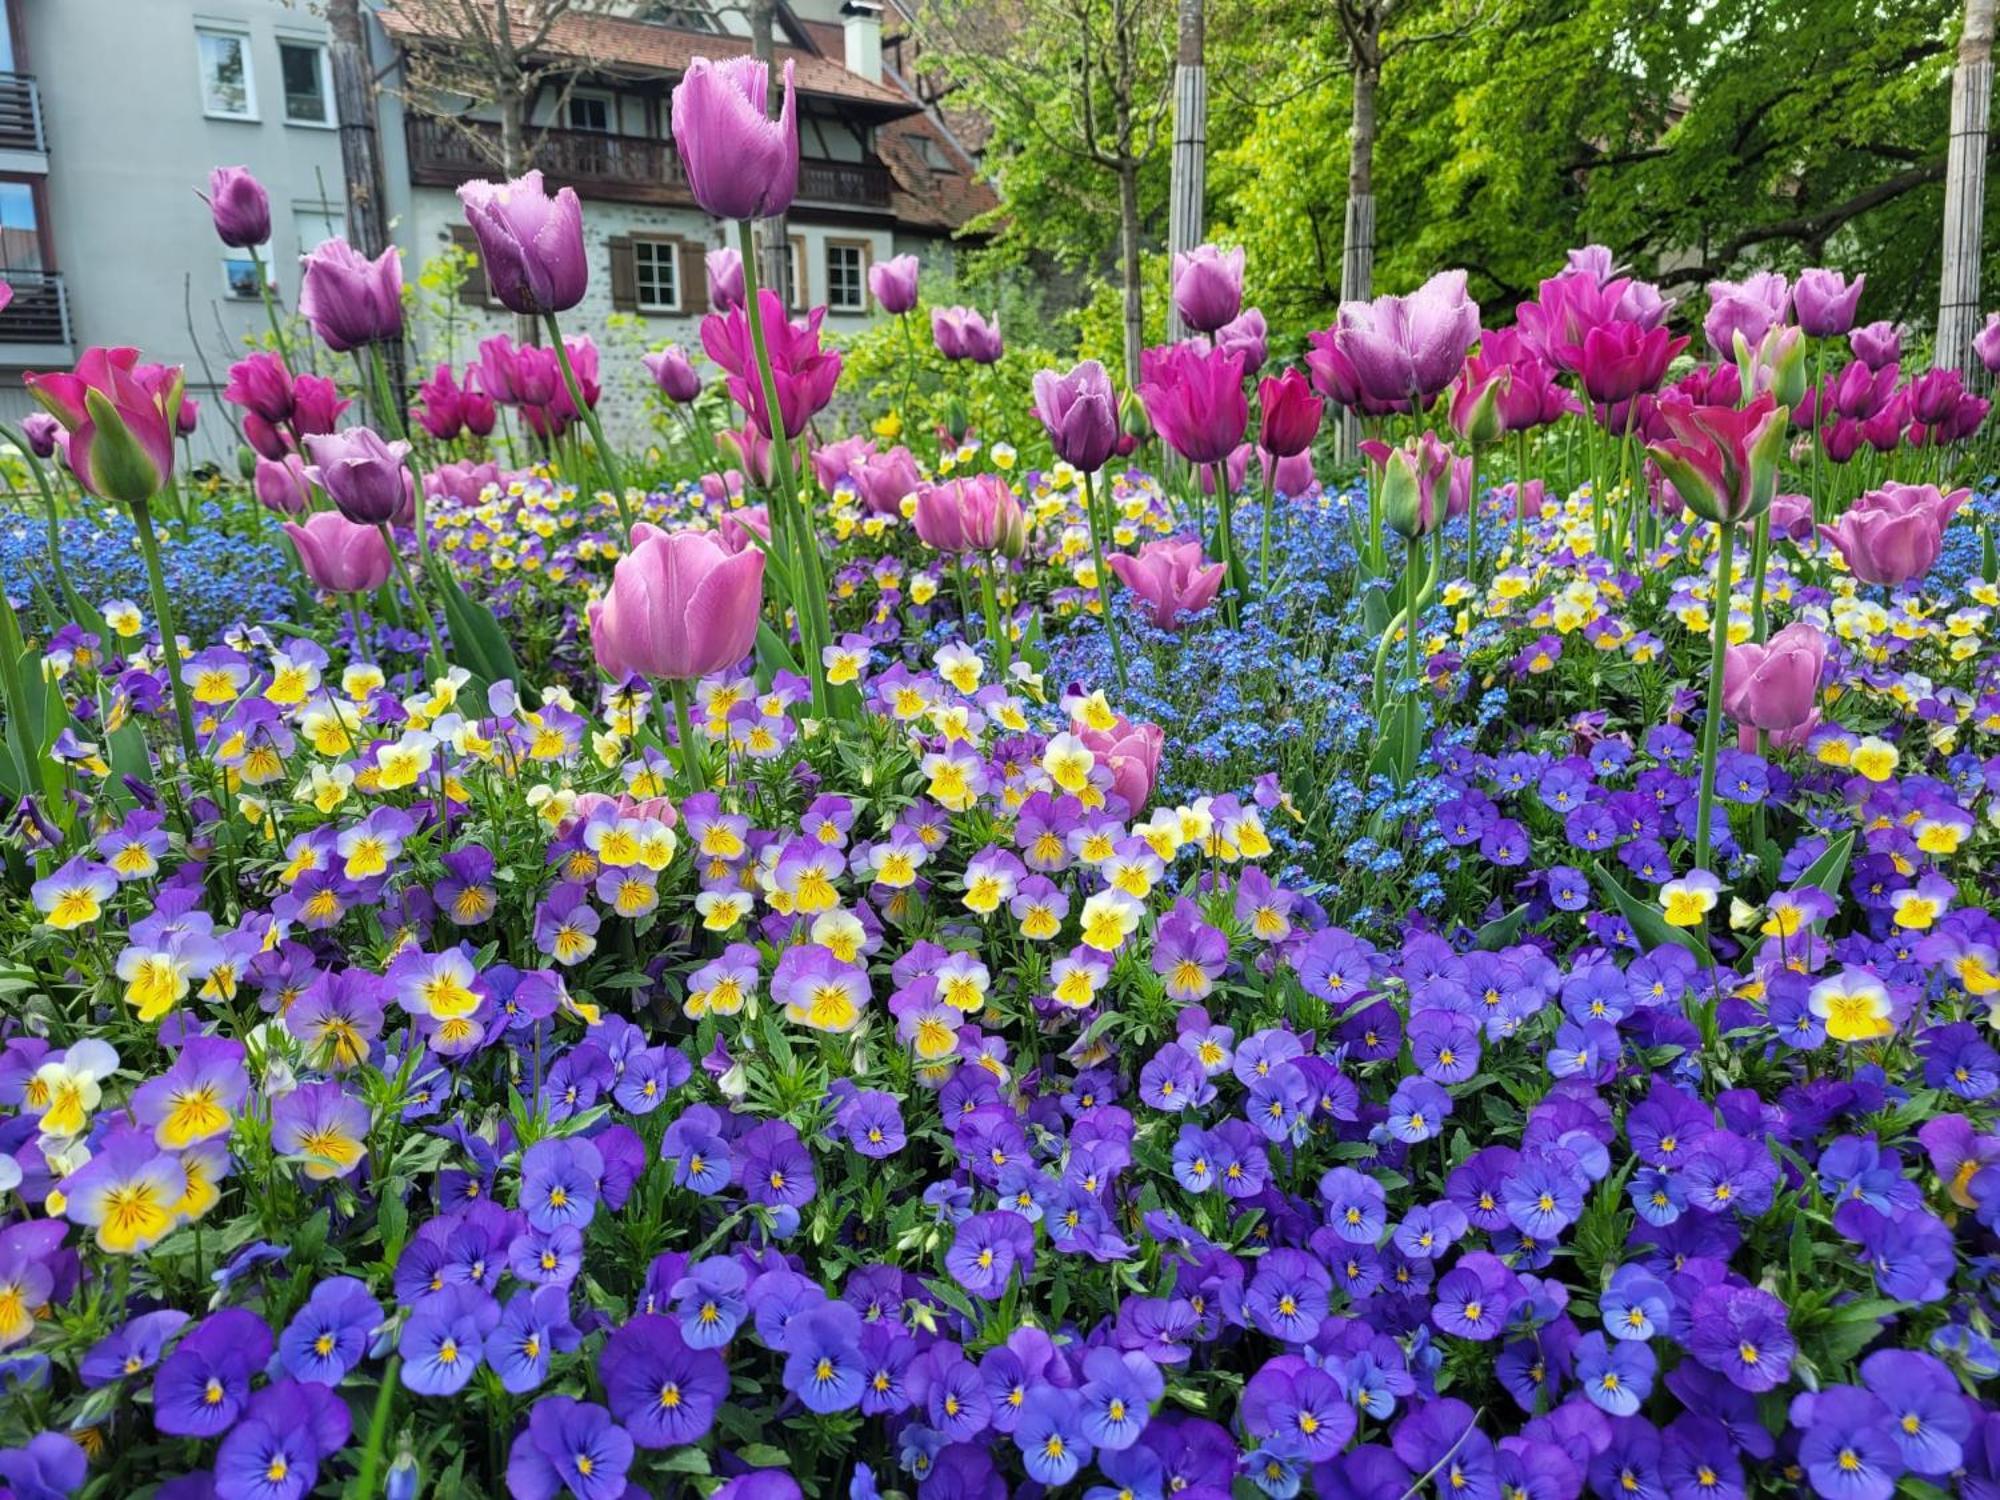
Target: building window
<point x="20" y="228"/>
<point x="227" y="89"/>
<point x="308" y="83"/>
<point x="239" y="278"/>
<point x="317" y="223"/>
<point x="590" y="112"/>
<point x="846" y="276"/>
<point x="656" y="275"/>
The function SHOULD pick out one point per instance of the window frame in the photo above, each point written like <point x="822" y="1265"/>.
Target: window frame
<point x="38" y="200"/>
<point x="230" y="263"/>
<point x="329" y="115"/>
<point x="604" y="97"/>
<point x="658" y="246"/>
<point x="335" y="215"/>
<point x="203" y="31"/>
<point x="865" y="252"/>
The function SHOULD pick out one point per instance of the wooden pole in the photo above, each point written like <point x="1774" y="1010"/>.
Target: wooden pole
<point x="1186" y="208"/>
<point x="1965" y="190"/>
<point x="361" y="150"/>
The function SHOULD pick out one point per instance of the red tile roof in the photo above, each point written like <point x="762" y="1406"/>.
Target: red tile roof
<point x="615" y="42"/>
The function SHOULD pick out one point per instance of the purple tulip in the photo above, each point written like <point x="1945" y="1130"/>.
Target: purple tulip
<point x="883" y="479"/>
<point x="725" y="279"/>
<point x="530" y="244"/>
<point x="351" y="300"/>
<point x="1208" y="286"/>
<point x="673" y="373"/>
<point x="894" y="284"/>
<point x="1194" y="398"/>
<point x="1751" y="307"/>
<point x="1407" y="349"/>
<point x="280" y="485"/>
<point x="1824" y="301"/>
<point x="680" y="606"/>
<point x="1894" y="534"/>
<point x="976" y="514"/>
<point x="240" y="207"/>
<point x="40" y="429"/>
<point x="740" y="163"/>
<point x="361" y="474"/>
<point x="961" y="333"/>
<point x="1080" y="412"/>
<point x="1877" y="344"/>
<point x="1247" y="335"/>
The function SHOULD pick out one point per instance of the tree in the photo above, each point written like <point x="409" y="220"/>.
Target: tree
<point x="1965" y="188"/>
<point x="1078" y="93"/>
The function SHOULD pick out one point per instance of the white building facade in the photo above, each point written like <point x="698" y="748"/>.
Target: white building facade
<point x="112" y="112"/>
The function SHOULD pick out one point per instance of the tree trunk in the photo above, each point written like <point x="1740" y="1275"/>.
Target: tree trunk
<point x="1357" y="241"/>
<point x="1965" y="190"/>
<point x="360" y="149"/>
<point x="774" y="255"/>
<point x="1128" y="243"/>
<point x="1185" y="212"/>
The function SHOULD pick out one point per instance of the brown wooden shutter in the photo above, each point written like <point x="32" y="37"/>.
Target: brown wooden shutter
<point x="624" y="278"/>
<point x="694" y="279"/>
<point x="475" y="290"/>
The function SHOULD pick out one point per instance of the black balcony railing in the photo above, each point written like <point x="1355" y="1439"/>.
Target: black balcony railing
<point x="20" y="114"/>
<point x="39" y="313"/>
<point x="630" y="168"/>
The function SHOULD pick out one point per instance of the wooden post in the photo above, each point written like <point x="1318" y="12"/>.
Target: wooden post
<point x="774" y="252"/>
<point x="1965" y="190"/>
<point x="1357" y="241"/>
<point x="1186" y="208"/>
<point x="360" y="149"/>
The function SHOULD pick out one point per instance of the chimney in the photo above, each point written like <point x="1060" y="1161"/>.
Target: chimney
<point x="861" y="30"/>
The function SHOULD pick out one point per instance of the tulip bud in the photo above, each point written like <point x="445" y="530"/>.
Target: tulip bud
<point x="1481" y="426"/>
<point x="956" y="421"/>
<point x="121" y="466"/>
<point x="1013" y="542"/>
<point x="1404" y="510"/>
<point x="1781" y="365"/>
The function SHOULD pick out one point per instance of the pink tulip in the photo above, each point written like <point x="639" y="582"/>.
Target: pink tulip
<point x="680" y="606"/>
<point x="120" y="416"/>
<point x="673" y="373"/>
<point x="1208" y="286"/>
<point x="261" y="383"/>
<point x="1173" y="578"/>
<point x="1773" y="686"/>
<point x="725" y="279"/>
<point x="1291" y="475"/>
<point x="976" y="514"/>
<point x="894" y="284"/>
<point x="883" y="479"/>
<point x="735" y="526"/>
<point x="339" y="555"/>
<point x="530" y="242"/>
<point x="1894" y="534"/>
<point x="833" y="462"/>
<point x="349" y="299"/>
<point x="280" y="485"/>
<point x="463" y="481"/>
<point x="1132" y="754"/>
<point x="442" y="413"/>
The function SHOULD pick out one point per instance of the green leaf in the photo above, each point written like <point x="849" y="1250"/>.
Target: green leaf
<point x="1501" y="931"/>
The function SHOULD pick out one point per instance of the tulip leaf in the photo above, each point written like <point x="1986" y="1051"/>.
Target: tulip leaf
<point x="1501" y="931"/>
<point x="773" y="655"/>
<point x="1649" y="925"/>
<point x="1827" y="873"/>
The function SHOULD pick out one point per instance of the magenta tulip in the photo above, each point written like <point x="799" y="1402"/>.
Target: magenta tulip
<point x="893" y="282"/>
<point x="441" y="409"/>
<point x="1289" y="414"/>
<point x="261" y="383"/>
<point x="339" y="555"/>
<point x="725" y="279"/>
<point x="1079" y="411"/>
<point x="240" y="207"/>
<point x="740" y="163"/>
<point x="1986" y="344"/>
<point x="1194" y="399"/>
<point x="1621" y="360"/>
<point x="121" y="418"/>
<point x="1208" y="286"/>
<point x="1173" y="578"/>
<point x="530" y="244"/>
<point x="673" y="372"/>
<point x="1773" y="686"/>
<point x="681" y="605"/>
<point x="803" y="372"/>
<point x="350" y="300"/>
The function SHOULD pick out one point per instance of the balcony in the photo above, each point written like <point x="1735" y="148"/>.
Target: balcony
<point x="20" y="114"/>
<point x="624" y="168"/>
<point x="39" y="313"/>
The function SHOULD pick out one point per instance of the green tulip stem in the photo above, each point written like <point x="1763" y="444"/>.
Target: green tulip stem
<point x="996" y="634"/>
<point x="442" y="661"/>
<point x="1264" y="538"/>
<point x="375" y="375"/>
<point x="354" y="618"/>
<point x="692" y="769"/>
<point x="614" y="477"/>
<point x="170" y="644"/>
<point x="815" y="626"/>
<point x="271" y="308"/>
<point x="34" y="465"/>
<point x="1711" y="727"/>
<point x="1097" y="530"/>
<point x="1472" y="517"/>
